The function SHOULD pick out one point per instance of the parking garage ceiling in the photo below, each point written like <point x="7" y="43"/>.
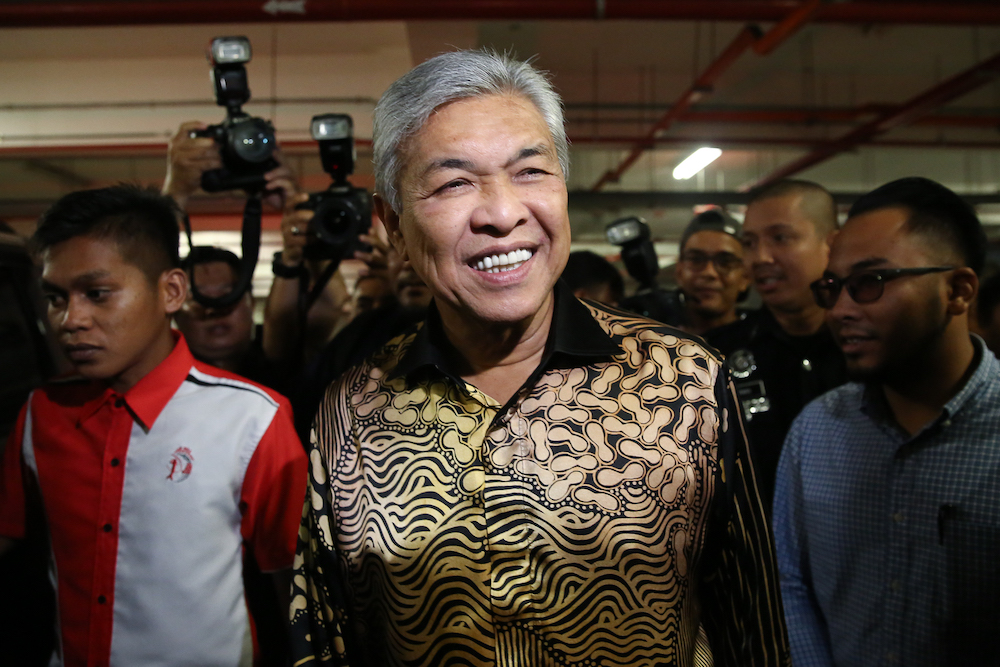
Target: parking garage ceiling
<point x="850" y="94"/>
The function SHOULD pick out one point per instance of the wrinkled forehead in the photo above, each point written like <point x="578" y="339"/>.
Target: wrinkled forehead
<point x="438" y="120"/>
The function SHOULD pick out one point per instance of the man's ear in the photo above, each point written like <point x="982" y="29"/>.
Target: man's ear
<point x="173" y="286"/>
<point x="962" y="289"/>
<point x="390" y="219"/>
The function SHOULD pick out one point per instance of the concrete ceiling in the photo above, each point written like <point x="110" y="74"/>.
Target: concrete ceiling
<point x="86" y="106"/>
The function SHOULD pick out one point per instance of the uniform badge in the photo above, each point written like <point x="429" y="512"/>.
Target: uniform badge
<point x="181" y="462"/>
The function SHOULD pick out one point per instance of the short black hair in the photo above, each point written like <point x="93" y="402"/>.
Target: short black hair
<point x="817" y="203"/>
<point x="207" y="254"/>
<point x="712" y="220"/>
<point x="141" y="221"/>
<point x="936" y="212"/>
<point x="586" y="270"/>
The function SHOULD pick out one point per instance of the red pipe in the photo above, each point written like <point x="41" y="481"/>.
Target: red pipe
<point x="907" y="113"/>
<point x="787" y="27"/>
<point x="702" y="85"/>
<point x="749" y="36"/>
<point x="156" y="12"/>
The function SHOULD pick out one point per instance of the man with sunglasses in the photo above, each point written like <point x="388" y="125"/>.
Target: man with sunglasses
<point x="887" y="506"/>
<point x="709" y="273"/>
<point x="782" y="356"/>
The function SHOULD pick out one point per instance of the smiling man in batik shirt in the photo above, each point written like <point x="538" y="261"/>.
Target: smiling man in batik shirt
<point x="527" y="479"/>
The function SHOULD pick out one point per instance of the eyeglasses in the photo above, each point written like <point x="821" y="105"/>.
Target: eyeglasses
<point x="864" y="286"/>
<point x="724" y="262"/>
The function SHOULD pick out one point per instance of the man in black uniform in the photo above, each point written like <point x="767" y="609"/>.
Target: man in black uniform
<point x="782" y="356"/>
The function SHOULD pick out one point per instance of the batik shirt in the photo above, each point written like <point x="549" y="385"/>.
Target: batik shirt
<point x="596" y="518"/>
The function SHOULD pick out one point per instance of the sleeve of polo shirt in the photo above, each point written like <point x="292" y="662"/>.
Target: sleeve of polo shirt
<point x="273" y="489"/>
<point x="810" y="642"/>
<point x="12" y="503"/>
<point x="738" y="587"/>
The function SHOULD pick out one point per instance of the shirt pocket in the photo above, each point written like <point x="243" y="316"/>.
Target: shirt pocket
<point x="972" y="561"/>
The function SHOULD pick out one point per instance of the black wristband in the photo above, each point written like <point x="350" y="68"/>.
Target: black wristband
<point x="282" y="270"/>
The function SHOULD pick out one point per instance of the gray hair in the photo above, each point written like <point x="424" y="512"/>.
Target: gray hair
<point x="458" y="75"/>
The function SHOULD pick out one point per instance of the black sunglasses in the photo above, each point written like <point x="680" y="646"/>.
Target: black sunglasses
<point x="864" y="286"/>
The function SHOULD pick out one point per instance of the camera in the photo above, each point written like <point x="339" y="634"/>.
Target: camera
<point x="632" y="234"/>
<point x="246" y="144"/>
<point x="342" y="211"/>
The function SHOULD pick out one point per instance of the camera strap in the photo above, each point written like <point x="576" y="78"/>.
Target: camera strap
<point x="308" y="297"/>
<point x="252" y="213"/>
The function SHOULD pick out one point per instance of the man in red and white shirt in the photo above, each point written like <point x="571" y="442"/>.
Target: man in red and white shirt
<point x="154" y="471"/>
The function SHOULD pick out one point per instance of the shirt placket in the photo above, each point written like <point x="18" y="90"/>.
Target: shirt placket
<point x="107" y="531"/>
<point x="899" y="557"/>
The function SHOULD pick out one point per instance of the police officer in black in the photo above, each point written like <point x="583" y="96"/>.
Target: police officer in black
<point x="782" y="356"/>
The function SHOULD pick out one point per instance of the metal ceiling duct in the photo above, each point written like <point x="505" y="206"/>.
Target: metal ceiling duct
<point x="29" y="13"/>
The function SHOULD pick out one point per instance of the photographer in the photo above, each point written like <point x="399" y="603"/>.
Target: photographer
<point x="188" y="157"/>
<point x="286" y="340"/>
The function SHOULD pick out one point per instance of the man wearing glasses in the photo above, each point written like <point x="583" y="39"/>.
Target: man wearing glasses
<point x="782" y="356"/>
<point x="887" y="506"/>
<point x="710" y="274"/>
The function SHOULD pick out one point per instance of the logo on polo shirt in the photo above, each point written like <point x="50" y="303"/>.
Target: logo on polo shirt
<point x="181" y="462"/>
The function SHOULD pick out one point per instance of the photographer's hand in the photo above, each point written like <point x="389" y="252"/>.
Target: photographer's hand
<point x="383" y="259"/>
<point x="293" y="230"/>
<point x="187" y="158"/>
<point x="281" y="185"/>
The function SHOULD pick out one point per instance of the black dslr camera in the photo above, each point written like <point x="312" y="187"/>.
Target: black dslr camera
<point x="632" y="234"/>
<point x="342" y="210"/>
<point x="246" y="143"/>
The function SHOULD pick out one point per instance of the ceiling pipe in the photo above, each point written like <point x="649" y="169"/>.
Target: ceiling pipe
<point x="167" y="12"/>
<point x="750" y="36"/>
<point x="308" y="147"/>
<point x="907" y="113"/>
<point x="702" y="86"/>
<point x="787" y="27"/>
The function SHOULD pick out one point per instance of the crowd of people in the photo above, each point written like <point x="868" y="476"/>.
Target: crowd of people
<point x="475" y="457"/>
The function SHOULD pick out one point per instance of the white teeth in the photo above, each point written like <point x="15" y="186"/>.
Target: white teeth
<point x="503" y="261"/>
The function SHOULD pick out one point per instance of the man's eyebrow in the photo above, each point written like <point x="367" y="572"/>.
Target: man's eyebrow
<point x="529" y="152"/>
<point x="467" y="165"/>
<point x="868" y="263"/>
<point x="82" y="279"/>
<point x="49" y="287"/>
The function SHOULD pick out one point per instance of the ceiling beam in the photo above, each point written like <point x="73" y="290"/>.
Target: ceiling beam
<point x="702" y="86"/>
<point x="750" y="36"/>
<point x="68" y="13"/>
<point x="937" y="96"/>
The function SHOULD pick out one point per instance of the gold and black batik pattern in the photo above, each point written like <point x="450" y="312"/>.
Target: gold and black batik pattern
<point x="596" y="519"/>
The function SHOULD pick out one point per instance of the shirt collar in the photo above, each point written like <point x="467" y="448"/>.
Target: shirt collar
<point x="575" y="338"/>
<point x="874" y="404"/>
<point x="147" y="398"/>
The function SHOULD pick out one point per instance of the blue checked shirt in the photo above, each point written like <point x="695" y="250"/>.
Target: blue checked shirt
<point x="889" y="545"/>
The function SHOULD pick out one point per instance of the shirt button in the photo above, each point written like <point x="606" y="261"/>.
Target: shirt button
<point x="807" y="365"/>
<point x="946" y="423"/>
<point x="898" y="517"/>
<point x="107" y="528"/>
<point x="895" y="585"/>
<point x="119" y="402"/>
<point x="114" y="463"/>
<point x="101" y="599"/>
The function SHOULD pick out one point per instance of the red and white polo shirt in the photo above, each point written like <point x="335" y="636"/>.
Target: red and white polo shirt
<point x="150" y="497"/>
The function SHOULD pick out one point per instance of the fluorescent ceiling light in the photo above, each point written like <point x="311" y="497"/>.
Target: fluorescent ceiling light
<point x="695" y="162"/>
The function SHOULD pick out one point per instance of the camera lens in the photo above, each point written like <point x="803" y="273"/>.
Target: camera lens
<point x="252" y="140"/>
<point x="336" y="222"/>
